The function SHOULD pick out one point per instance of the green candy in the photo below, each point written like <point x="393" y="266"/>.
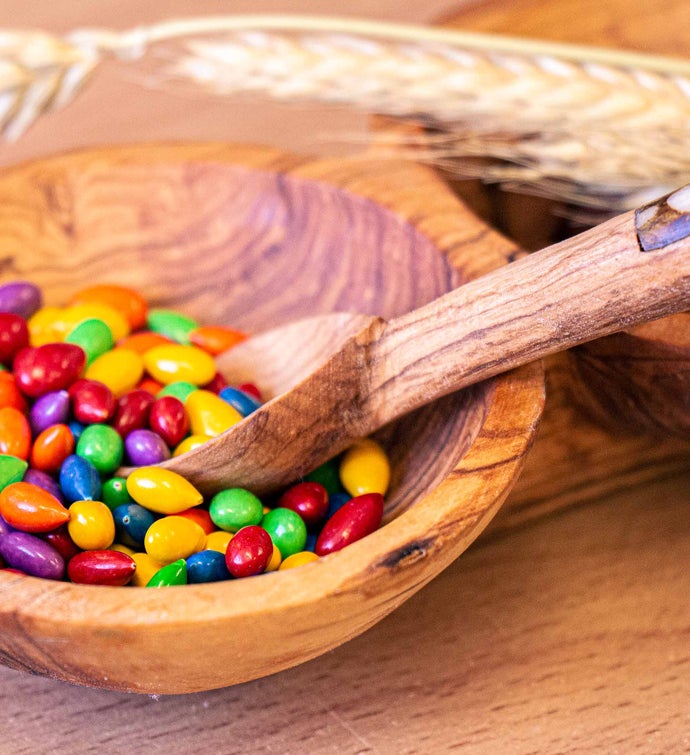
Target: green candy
<point x="94" y="336"/>
<point x="102" y="446"/>
<point x="172" y="324"/>
<point x="115" y="493"/>
<point x="12" y="469"/>
<point x="235" y="508"/>
<point x="287" y="530"/>
<point x="328" y="475"/>
<point x="171" y="574"/>
<point x="179" y="389"/>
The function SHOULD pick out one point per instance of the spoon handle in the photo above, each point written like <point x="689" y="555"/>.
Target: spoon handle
<point x="631" y="269"/>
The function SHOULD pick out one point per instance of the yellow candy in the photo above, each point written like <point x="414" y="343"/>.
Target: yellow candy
<point x="122" y="549"/>
<point x="172" y="362"/>
<point x="120" y="369"/>
<point x="91" y="525"/>
<point x="298" y="559"/>
<point x="47" y="326"/>
<point x="218" y="541"/>
<point x="162" y="491"/>
<point x="173" y="537"/>
<point x="190" y="442"/>
<point x="146" y="568"/>
<point x="276" y="558"/>
<point x="77" y="313"/>
<point x="365" y="468"/>
<point x="208" y="414"/>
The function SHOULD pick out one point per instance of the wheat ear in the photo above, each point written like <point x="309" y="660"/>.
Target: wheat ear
<point x="593" y="126"/>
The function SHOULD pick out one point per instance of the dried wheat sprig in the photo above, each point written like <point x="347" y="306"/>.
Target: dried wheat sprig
<point x="38" y="72"/>
<point x="594" y="126"/>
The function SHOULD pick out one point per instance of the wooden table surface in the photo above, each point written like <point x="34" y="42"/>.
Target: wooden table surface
<point x="569" y="634"/>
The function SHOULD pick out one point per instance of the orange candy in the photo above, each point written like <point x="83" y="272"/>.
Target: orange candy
<point x="150" y="385"/>
<point x="142" y="342"/>
<point x="15" y="433"/>
<point x="10" y="395"/>
<point x="51" y="448"/>
<point x="130" y="304"/>
<point x="215" y="338"/>
<point x="28" y="508"/>
<point x="201" y="517"/>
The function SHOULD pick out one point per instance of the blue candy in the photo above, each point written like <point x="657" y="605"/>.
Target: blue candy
<point x="336" y="501"/>
<point x="77" y="429"/>
<point x="79" y="480"/>
<point x="207" y="566"/>
<point x="243" y="402"/>
<point x="312" y="537"/>
<point x="131" y="523"/>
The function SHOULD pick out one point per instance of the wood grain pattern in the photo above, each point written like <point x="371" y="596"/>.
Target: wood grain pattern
<point x="354" y="374"/>
<point x="205" y="228"/>
<point x="568" y="635"/>
<point x="613" y="405"/>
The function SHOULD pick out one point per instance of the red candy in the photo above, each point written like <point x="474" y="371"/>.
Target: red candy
<point x="61" y="541"/>
<point x="308" y="499"/>
<point x="252" y="390"/>
<point x="101" y="567"/>
<point x="92" y="401"/>
<point x="51" y="448"/>
<point x="46" y="368"/>
<point x="169" y="419"/>
<point x="249" y="552"/>
<point x="28" y="508"/>
<point x="360" y="516"/>
<point x="15" y="433"/>
<point x="217" y="384"/>
<point x="132" y="411"/>
<point x="14" y="335"/>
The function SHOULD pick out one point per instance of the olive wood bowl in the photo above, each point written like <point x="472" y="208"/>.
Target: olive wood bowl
<point x="253" y="237"/>
<point x="637" y="381"/>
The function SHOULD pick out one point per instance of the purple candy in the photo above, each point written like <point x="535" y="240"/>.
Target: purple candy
<point x="144" y="448"/>
<point x="31" y="555"/>
<point x="45" y="481"/>
<point x="50" y="409"/>
<point x="20" y="297"/>
<point x="4" y="527"/>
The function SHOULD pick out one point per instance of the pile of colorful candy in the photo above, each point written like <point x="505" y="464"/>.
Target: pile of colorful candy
<point x="105" y="381"/>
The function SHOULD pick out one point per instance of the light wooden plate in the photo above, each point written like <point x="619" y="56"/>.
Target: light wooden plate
<point x="253" y="237"/>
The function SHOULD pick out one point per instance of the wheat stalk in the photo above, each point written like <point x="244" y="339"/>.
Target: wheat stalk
<point x="592" y="126"/>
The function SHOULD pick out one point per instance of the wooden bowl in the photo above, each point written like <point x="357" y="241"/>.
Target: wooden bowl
<point x="637" y="381"/>
<point x="254" y="237"/>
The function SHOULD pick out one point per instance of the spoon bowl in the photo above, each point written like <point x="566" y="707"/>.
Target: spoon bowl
<point x="253" y="238"/>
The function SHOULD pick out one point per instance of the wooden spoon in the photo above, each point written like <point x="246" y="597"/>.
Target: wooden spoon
<point x="340" y="377"/>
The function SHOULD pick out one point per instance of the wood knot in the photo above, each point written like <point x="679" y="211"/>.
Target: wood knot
<point x="407" y="555"/>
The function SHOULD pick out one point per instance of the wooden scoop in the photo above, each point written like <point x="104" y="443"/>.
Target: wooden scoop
<point x="340" y="377"/>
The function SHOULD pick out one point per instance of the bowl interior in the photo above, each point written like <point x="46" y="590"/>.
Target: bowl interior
<point x="245" y="247"/>
<point x="254" y="238"/>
